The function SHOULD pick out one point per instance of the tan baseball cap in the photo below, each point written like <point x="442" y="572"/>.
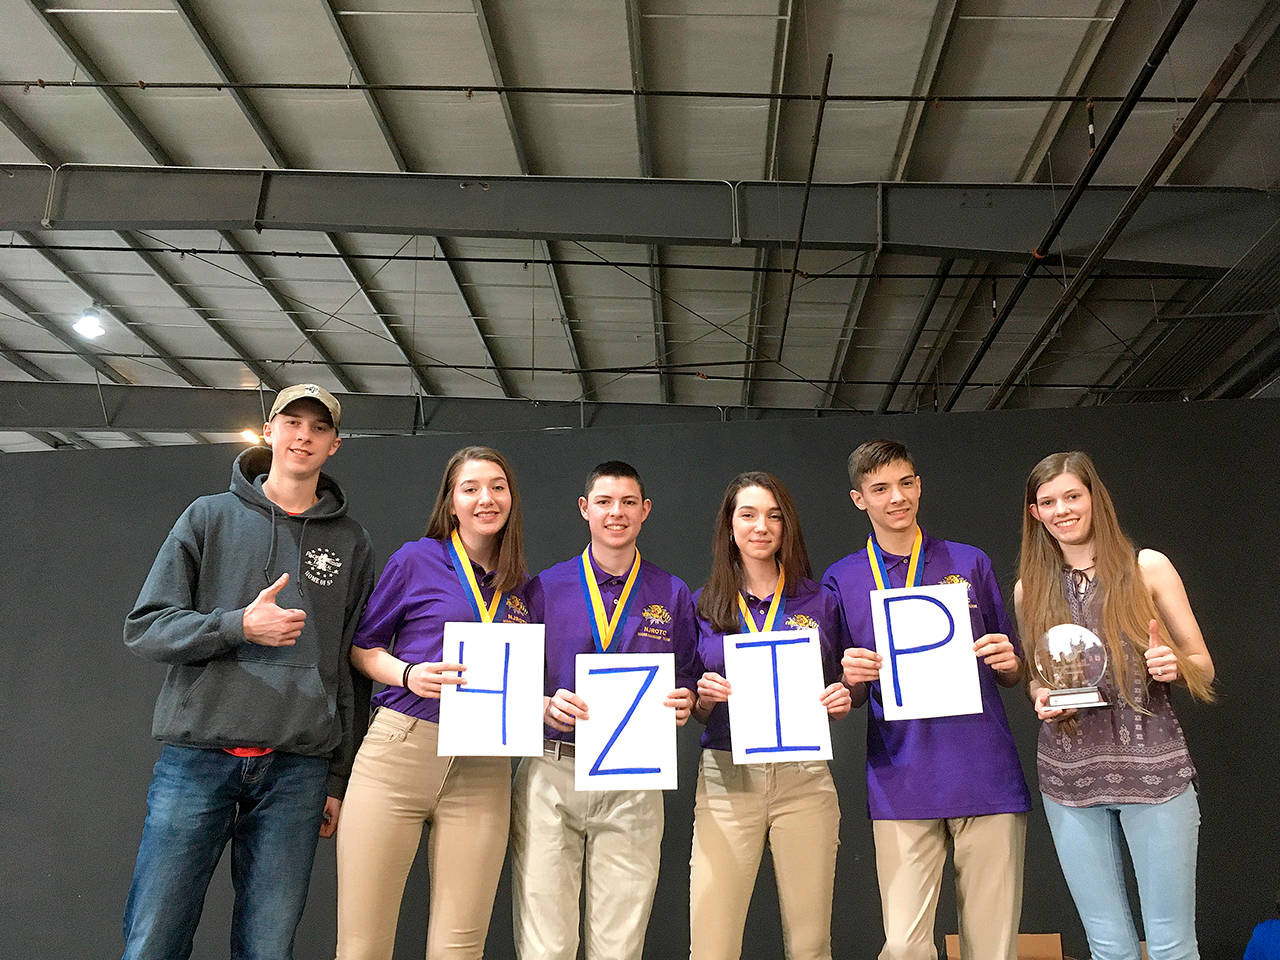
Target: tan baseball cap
<point x="307" y="391"/>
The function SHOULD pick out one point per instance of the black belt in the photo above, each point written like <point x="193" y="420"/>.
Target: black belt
<point x="555" y="749"/>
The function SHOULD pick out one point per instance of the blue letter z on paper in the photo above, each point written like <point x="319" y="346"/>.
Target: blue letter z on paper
<point x="506" y="673"/>
<point x="894" y="652"/>
<point x="650" y="673"/>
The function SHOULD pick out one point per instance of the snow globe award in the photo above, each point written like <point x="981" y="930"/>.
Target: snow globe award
<point x="1071" y="661"/>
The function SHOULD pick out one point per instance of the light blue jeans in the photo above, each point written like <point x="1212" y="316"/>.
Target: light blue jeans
<point x="268" y="807"/>
<point x="1162" y="839"/>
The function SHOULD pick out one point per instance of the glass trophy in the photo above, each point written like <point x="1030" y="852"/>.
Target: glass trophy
<point x="1071" y="661"/>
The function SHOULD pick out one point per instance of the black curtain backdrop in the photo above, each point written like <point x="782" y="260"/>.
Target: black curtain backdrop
<point x="1194" y="480"/>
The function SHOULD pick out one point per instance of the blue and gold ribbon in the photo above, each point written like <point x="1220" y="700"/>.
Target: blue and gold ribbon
<point x="603" y="627"/>
<point x="776" y="608"/>
<point x="484" y="613"/>
<point x="915" y="569"/>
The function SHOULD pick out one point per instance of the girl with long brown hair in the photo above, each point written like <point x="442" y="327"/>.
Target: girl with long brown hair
<point x="467" y="567"/>
<point x="760" y="573"/>
<point x="1121" y="768"/>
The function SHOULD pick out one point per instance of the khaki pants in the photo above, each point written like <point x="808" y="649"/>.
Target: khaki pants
<point x="988" y="854"/>
<point x="554" y="828"/>
<point x="398" y="785"/>
<point x="794" y="806"/>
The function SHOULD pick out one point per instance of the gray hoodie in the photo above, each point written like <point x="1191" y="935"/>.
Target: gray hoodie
<point x="223" y="691"/>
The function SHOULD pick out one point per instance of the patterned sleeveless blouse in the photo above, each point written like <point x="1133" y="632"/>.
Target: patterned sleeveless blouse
<point x="1115" y="754"/>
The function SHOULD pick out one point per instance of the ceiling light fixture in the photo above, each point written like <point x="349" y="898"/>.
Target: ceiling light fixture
<point x="89" y="325"/>
<point x="250" y="437"/>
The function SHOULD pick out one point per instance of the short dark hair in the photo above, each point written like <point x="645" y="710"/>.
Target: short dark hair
<point x="613" y="468"/>
<point x="874" y="454"/>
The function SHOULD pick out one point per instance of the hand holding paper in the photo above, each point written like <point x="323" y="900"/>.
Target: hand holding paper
<point x="564" y="710"/>
<point x="838" y="700"/>
<point x="860" y="665"/>
<point x="682" y="700"/>
<point x="426" y="679"/>
<point x="996" y="651"/>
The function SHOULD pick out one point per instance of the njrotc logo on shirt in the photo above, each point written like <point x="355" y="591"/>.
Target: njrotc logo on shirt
<point x="517" y="612"/>
<point x="655" y="617"/>
<point x="322" y="566"/>
<point x="802" y="621"/>
<point x="956" y="578"/>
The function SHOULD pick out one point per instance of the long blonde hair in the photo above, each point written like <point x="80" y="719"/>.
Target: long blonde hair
<point x="1127" y="607"/>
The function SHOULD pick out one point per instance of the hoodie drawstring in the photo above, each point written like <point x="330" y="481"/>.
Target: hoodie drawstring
<point x="271" y="551"/>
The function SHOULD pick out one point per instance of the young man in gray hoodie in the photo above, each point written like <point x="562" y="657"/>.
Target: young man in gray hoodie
<point x="252" y="602"/>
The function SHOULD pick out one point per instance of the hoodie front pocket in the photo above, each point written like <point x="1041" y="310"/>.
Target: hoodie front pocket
<point x="257" y="702"/>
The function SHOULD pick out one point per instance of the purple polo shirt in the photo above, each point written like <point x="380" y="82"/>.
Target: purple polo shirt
<point x="417" y="594"/>
<point x="660" y="621"/>
<point x="942" y="766"/>
<point x="811" y="607"/>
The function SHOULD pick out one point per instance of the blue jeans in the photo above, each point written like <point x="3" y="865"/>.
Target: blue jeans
<point x="1162" y="839"/>
<point x="269" y="807"/>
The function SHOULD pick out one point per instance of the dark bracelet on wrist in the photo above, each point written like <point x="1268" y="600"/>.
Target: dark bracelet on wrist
<point x="404" y="677"/>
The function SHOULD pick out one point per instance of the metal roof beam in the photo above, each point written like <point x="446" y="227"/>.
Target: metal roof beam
<point x="769" y="171"/>
<point x="913" y="338"/>
<point x="939" y="32"/>
<point x="37" y="372"/>
<point x="61" y="406"/>
<point x="223" y="69"/>
<point x="852" y="317"/>
<point x="381" y="313"/>
<point x="144" y="136"/>
<point x="944" y="18"/>
<point x="281" y="159"/>
<point x="644" y="145"/>
<point x="500" y="375"/>
<point x="200" y="310"/>
<point x="1263" y="30"/>
<point x="357" y="73"/>
<point x="117" y="103"/>
<point x="966" y="299"/>
<point x="661" y="351"/>
<point x="522" y="160"/>
<point x="1091" y="46"/>
<point x="37" y="317"/>
<point x="103" y="302"/>
<point x="984" y="221"/>
<point x="289" y="310"/>
<point x="26" y="136"/>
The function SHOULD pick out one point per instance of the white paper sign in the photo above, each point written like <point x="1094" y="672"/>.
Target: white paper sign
<point x="925" y="639"/>
<point x="498" y="711"/>
<point x="775" y="710"/>
<point x="628" y="741"/>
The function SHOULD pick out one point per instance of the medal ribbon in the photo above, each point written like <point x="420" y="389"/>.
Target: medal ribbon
<point x="915" y="570"/>
<point x="603" y="627"/>
<point x="484" y="613"/>
<point x="776" y="607"/>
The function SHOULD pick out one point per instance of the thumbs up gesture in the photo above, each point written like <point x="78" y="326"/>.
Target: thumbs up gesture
<point x="267" y="623"/>
<point x="1162" y="663"/>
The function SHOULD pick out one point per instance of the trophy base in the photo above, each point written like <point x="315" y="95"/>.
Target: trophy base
<point x="1076" y="698"/>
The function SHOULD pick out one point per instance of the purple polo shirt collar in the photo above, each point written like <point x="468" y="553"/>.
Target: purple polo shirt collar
<point x="610" y="584"/>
